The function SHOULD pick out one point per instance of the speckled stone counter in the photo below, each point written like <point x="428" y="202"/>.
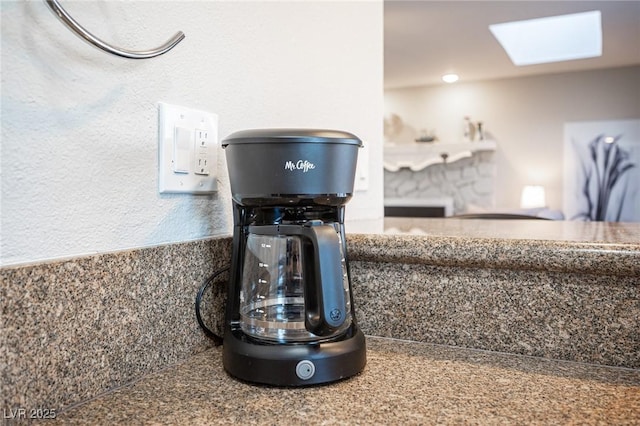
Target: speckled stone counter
<point x="583" y="247"/>
<point x="541" y="230"/>
<point x="576" y="297"/>
<point x="77" y="327"/>
<point x="72" y="329"/>
<point x="403" y="383"/>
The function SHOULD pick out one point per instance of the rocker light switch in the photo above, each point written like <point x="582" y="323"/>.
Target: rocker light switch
<point x="187" y="150"/>
<point x="181" y="145"/>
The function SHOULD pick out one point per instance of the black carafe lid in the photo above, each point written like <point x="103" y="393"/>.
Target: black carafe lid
<point x="291" y="136"/>
<point x="291" y="166"/>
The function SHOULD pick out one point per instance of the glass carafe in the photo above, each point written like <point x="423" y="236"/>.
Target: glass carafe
<point x="295" y="286"/>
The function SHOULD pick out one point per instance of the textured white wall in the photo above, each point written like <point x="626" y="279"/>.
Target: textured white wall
<point x="79" y="126"/>
<point x="525" y="115"/>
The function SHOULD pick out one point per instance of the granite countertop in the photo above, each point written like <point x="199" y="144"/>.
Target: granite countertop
<point x="581" y="247"/>
<point x="404" y="382"/>
<point x="537" y="288"/>
<point x="525" y="229"/>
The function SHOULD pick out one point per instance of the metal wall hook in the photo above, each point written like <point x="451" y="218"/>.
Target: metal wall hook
<point x="86" y="35"/>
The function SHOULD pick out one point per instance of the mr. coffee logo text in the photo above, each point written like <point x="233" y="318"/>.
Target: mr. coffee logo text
<point x="303" y="165"/>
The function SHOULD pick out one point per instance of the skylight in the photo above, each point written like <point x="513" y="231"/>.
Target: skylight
<point x="552" y="39"/>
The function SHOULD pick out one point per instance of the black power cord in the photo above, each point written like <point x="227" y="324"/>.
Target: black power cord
<point x="217" y="340"/>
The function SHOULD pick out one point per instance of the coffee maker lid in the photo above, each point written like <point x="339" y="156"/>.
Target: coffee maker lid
<point x="291" y="136"/>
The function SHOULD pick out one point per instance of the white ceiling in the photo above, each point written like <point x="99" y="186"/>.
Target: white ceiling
<point x="425" y="39"/>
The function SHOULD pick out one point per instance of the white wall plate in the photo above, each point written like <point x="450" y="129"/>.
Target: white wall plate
<point x="187" y="150"/>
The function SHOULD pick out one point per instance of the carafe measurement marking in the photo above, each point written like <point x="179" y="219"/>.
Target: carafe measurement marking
<point x="265" y="245"/>
<point x="263" y="265"/>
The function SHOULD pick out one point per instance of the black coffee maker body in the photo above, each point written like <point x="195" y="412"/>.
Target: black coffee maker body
<point x="290" y="317"/>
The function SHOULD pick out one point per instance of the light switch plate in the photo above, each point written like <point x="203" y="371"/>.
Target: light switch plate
<point x="361" y="182"/>
<point x="187" y="150"/>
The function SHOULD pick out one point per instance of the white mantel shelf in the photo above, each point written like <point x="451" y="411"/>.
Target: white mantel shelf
<point x="419" y="155"/>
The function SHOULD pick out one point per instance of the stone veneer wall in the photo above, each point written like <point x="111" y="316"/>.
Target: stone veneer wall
<point x="469" y="182"/>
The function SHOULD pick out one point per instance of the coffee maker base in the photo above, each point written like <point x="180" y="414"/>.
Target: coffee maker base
<point x="293" y="364"/>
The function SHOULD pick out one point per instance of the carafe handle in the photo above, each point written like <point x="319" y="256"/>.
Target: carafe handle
<point x="324" y="297"/>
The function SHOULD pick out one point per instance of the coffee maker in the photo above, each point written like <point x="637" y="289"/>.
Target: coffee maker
<point x="290" y="317"/>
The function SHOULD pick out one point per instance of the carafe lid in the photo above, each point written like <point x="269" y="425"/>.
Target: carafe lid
<point x="291" y="136"/>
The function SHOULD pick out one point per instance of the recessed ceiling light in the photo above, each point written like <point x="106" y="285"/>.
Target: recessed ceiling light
<point x="552" y="39"/>
<point x="450" y="78"/>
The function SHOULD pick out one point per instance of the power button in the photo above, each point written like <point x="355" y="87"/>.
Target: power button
<point x="305" y="369"/>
